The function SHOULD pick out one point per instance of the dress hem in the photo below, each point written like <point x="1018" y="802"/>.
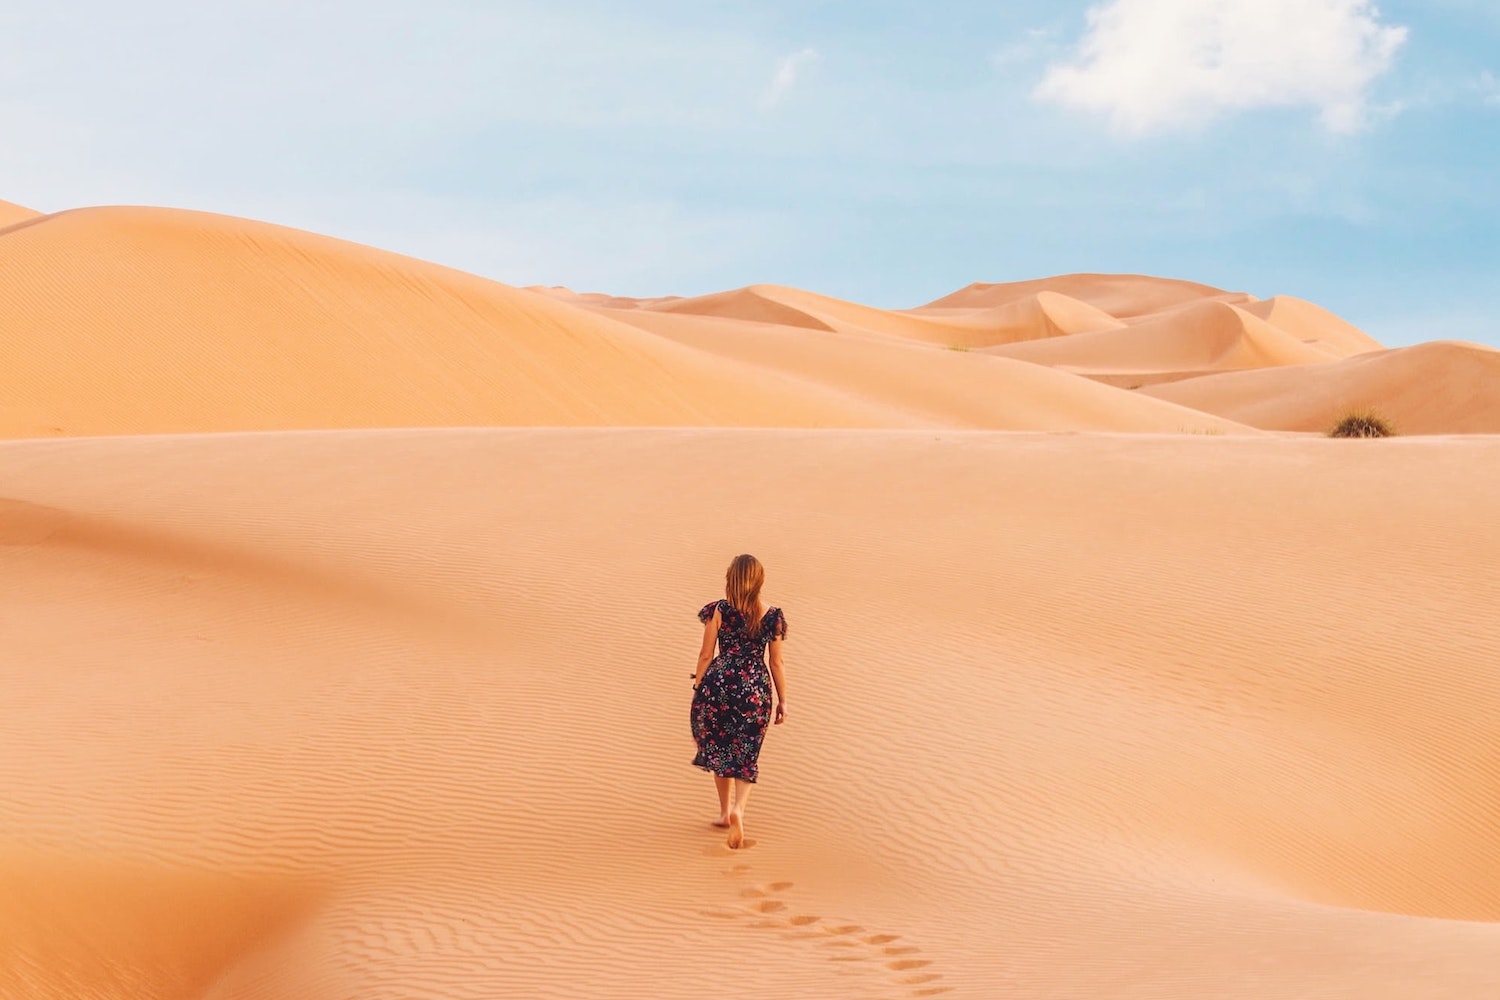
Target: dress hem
<point x="737" y="777"/>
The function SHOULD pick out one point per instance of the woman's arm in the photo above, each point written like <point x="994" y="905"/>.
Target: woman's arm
<point x="706" y="654"/>
<point x="779" y="678"/>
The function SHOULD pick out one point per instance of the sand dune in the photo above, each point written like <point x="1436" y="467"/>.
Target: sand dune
<point x="11" y="214"/>
<point x="403" y="714"/>
<point x="1045" y="314"/>
<point x="599" y="298"/>
<point x="1313" y="325"/>
<point x="1203" y="336"/>
<point x="220" y="324"/>
<point x="758" y="304"/>
<point x="940" y="388"/>
<point x="1445" y="387"/>
<point x="125" y="321"/>
<point x="1120" y="295"/>
<point x="793" y="307"/>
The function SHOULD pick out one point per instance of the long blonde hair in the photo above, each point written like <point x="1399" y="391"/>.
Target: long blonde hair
<point x="742" y="585"/>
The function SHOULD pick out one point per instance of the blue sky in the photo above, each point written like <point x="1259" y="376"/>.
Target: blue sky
<point x="883" y="151"/>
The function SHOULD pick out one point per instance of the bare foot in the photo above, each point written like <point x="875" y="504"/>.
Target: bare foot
<point x="722" y="821"/>
<point x="736" y="832"/>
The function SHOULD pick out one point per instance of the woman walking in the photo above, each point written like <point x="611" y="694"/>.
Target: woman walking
<point x="731" y="694"/>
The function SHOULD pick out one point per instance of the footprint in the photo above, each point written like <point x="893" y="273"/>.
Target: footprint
<point x="722" y="914"/>
<point x="761" y="891"/>
<point x="856" y="951"/>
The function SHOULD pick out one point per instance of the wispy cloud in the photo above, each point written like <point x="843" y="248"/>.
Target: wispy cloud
<point x="1151" y="65"/>
<point x="1031" y="47"/>
<point x="785" y="77"/>
<point x="1489" y="89"/>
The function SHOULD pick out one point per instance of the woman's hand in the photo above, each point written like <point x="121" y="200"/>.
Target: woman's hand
<point x="780" y="712"/>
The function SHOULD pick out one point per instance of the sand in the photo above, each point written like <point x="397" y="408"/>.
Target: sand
<point x="11" y="214"/>
<point x="1101" y="707"/>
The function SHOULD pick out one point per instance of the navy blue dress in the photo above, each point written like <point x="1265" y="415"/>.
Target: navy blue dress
<point x="732" y="705"/>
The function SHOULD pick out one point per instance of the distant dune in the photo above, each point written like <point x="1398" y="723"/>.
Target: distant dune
<point x="1120" y="295"/>
<point x="1203" y="336"/>
<point x="1445" y="387"/>
<point x="939" y="388"/>
<point x="349" y="618"/>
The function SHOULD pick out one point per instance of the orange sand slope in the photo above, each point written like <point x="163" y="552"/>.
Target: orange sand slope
<point x="940" y="388"/>
<point x="1444" y="387"/>
<point x="11" y="214"/>
<point x="129" y="321"/>
<point x="123" y="321"/>
<point x="1203" y="336"/>
<point x="403" y="714"/>
<point x="1045" y="314"/>
<point x="1159" y="331"/>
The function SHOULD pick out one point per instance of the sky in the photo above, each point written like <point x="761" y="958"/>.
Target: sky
<point x="883" y="151"/>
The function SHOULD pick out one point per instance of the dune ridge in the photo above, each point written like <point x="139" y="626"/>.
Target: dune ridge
<point x="478" y="764"/>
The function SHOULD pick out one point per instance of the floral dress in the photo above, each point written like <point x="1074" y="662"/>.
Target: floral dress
<point x="732" y="705"/>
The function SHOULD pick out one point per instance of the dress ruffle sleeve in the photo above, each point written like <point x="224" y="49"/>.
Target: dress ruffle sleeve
<point x="708" y="611"/>
<point x="778" y="626"/>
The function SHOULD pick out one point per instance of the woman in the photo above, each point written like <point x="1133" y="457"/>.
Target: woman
<point x="731" y="696"/>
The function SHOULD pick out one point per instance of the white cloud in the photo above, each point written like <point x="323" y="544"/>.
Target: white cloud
<point x="785" y="78"/>
<point x="1151" y="65"/>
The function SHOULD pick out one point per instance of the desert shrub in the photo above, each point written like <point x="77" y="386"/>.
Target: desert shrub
<point x="1364" y="424"/>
